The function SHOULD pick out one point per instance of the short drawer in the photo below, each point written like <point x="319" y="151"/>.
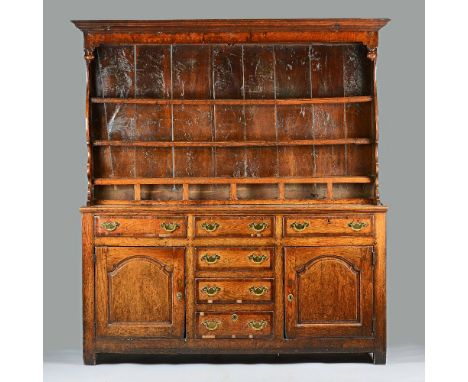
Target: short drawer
<point x="234" y="226"/>
<point x="245" y="258"/>
<point x="140" y="226"/>
<point x="234" y="324"/>
<point x="333" y="225"/>
<point x="232" y="291"/>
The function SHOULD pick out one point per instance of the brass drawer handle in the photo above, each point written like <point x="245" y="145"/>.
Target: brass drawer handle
<point x="110" y="226"/>
<point x="357" y="226"/>
<point x="258" y="227"/>
<point x="211" y="290"/>
<point x="179" y="296"/>
<point x="211" y="324"/>
<point x="210" y="227"/>
<point x="211" y="259"/>
<point x="258" y="325"/>
<point x="257" y="258"/>
<point x="299" y="227"/>
<point x="258" y="290"/>
<point x="169" y="227"/>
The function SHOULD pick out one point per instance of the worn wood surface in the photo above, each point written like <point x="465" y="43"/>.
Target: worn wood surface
<point x="232" y="163"/>
<point x="137" y="292"/>
<point x="237" y="291"/>
<point x="328" y="292"/>
<point x="238" y="258"/>
<point x="141" y="226"/>
<point x="234" y="324"/>
<point x="301" y="225"/>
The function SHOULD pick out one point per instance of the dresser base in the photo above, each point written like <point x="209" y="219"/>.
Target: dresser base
<point x="239" y="293"/>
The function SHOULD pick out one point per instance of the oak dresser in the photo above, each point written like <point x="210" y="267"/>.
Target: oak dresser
<point x="233" y="202"/>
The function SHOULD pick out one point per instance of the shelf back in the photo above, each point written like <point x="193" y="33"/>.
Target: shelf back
<point x="299" y="116"/>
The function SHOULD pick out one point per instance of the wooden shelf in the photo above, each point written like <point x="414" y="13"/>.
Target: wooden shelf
<point x="211" y="180"/>
<point x="304" y="142"/>
<point x="236" y="202"/>
<point x="292" y="101"/>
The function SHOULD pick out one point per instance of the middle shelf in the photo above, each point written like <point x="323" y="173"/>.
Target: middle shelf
<point x="302" y="142"/>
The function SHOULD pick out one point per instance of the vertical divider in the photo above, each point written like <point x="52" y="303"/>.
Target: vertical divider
<point x="243" y="111"/>
<point x="275" y="110"/>
<point x="213" y="108"/>
<point x="137" y="191"/>
<point x="189" y="280"/>
<point x="233" y="191"/>
<point x="172" y="113"/>
<point x="330" y="190"/>
<point x="312" y="127"/>
<point x="279" y="271"/>
<point x="281" y="191"/>
<point x="185" y="191"/>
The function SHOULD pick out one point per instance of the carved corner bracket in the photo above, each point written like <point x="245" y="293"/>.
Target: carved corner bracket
<point x="89" y="55"/>
<point x="89" y="48"/>
<point x="372" y="53"/>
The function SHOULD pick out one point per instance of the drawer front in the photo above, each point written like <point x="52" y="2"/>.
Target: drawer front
<point x="234" y="226"/>
<point x="234" y="324"/>
<point x="232" y="291"/>
<point x="140" y="226"/>
<point x="246" y="258"/>
<point x="333" y="225"/>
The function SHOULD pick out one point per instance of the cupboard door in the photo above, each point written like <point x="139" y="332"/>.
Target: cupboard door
<point x="140" y="292"/>
<point x="328" y="292"/>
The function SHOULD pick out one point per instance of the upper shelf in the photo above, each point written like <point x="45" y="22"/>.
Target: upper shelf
<point x="289" y="101"/>
<point x="301" y="142"/>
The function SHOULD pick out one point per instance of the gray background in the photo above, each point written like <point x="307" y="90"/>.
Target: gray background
<point x="401" y="111"/>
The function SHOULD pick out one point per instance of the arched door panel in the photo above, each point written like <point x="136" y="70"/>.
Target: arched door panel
<point x="328" y="291"/>
<point x="140" y="292"/>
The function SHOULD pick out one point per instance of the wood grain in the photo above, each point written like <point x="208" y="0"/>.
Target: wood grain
<point x="331" y="291"/>
<point x="233" y="122"/>
<point x="136" y="291"/>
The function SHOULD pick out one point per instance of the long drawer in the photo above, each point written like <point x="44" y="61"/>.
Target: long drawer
<point x="299" y="225"/>
<point x="234" y="226"/>
<point x="232" y="291"/>
<point x="225" y="259"/>
<point x="140" y="226"/>
<point x="234" y="324"/>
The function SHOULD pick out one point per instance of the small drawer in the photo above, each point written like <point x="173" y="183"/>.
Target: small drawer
<point x="245" y="258"/>
<point x="333" y="225"/>
<point x="234" y="324"/>
<point x="232" y="291"/>
<point x="140" y="226"/>
<point x="234" y="226"/>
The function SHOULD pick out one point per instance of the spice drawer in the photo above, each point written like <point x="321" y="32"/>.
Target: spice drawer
<point x="234" y="226"/>
<point x="225" y="259"/>
<point x="140" y="226"/>
<point x="232" y="291"/>
<point x="332" y="225"/>
<point x="234" y="324"/>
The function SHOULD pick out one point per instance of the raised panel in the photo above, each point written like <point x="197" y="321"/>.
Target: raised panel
<point x="328" y="291"/>
<point x="140" y="292"/>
